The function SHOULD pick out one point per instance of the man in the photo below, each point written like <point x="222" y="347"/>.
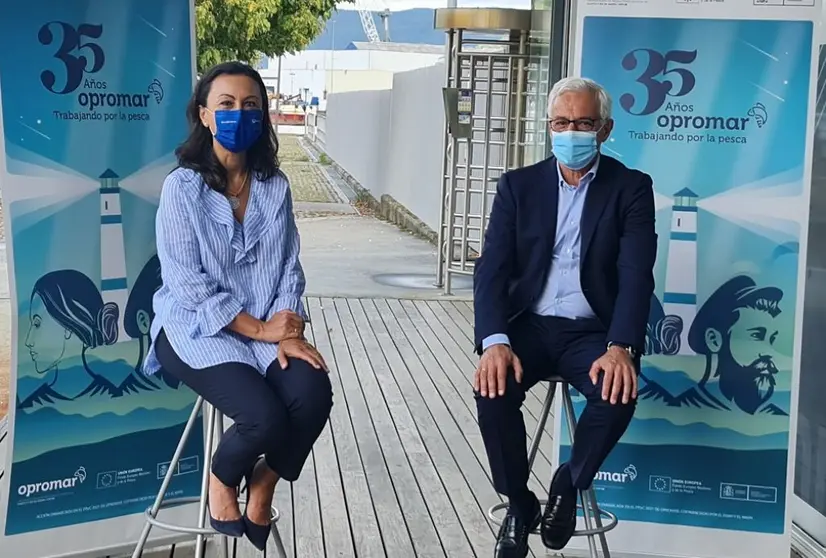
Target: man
<point x="736" y="330"/>
<point x="562" y="287"/>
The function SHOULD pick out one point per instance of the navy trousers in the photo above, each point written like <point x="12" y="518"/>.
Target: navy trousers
<point x="279" y="416"/>
<point x="550" y="346"/>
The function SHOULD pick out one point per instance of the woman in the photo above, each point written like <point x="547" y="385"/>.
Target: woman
<point x="65" y="308"/>
<point x="229" y="319"/>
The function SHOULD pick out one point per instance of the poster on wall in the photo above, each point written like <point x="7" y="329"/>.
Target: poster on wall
<point x="92" y="99"/>
<point x="715" y="102"/>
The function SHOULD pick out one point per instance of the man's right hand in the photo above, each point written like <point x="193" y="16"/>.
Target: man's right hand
<point x="491" y="375"/>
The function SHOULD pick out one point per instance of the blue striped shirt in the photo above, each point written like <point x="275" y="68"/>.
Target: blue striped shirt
<point x="213" y="268"/>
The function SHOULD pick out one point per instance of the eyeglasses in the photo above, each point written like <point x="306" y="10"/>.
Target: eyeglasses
<point x="580" y="124"/>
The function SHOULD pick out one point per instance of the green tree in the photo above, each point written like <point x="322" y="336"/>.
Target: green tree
<point x="246" y="29"/>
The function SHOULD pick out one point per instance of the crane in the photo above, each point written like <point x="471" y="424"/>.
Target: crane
<point x="368" y="24"/>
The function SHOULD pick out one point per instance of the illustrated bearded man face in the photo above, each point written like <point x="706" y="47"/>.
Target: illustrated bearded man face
<point x="746" y="370"/>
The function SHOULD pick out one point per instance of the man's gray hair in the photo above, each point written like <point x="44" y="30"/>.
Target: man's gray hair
<point x="579" y="85"/>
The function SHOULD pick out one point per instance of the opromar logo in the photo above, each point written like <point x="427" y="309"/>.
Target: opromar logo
<point x="27" y="490"/>
<point x="629" y="474"/>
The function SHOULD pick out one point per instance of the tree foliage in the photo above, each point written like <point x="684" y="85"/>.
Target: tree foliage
<point x="246" y="29"/>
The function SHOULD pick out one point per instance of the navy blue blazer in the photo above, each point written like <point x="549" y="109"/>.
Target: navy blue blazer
<point x="619" y="247"/>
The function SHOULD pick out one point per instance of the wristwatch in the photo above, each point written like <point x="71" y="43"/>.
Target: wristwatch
<point x="627" y="348"/>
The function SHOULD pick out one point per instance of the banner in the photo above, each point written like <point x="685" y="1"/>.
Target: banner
<point x="92" y="98"/>
<point x="716" y="102"/>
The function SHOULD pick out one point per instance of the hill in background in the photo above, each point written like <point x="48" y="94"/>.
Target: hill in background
<point x="409" y="26"/>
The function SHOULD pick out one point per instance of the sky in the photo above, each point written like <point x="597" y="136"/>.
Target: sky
<point x="396" y="5"/>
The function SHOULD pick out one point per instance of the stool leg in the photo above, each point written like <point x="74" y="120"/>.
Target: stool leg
<point x="603" y="541"/>
<point x="200" y="541"/>
<point x="168" y="477"/>
<point x="219" y="431"/>
<point x="279" y="544"/>
<point x="540" y="425"/>
<point x="570" y="415"/>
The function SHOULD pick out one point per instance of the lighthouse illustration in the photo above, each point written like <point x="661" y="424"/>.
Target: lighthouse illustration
<point x="680" y="296"/>
<point x="113" y="286"/>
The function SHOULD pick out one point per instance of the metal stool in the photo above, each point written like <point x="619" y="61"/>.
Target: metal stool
<point x="215" y="423"/>
<point x="591" y="511"/>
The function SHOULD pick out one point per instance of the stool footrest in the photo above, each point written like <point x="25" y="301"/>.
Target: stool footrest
<point x="186" y="529"/>
<point x="595" y="532"/>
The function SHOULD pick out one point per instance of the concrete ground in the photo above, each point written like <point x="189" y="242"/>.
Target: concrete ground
<point x="344" y="253"/>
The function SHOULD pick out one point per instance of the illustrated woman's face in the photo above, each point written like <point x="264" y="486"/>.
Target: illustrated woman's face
<point x="46" y="339"/>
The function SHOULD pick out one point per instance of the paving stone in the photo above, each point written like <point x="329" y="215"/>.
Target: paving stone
<point x="308" y="182"/>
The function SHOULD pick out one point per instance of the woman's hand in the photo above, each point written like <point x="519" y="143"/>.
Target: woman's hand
<point x="284" y="325"/>
<point x="301" y="349"/>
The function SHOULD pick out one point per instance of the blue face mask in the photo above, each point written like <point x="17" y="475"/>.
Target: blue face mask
<point x="575" y="149"/>
<point x="238" y="130"/>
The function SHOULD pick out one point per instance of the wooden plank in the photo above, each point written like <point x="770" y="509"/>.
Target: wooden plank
<point x="466" y="312"/>
<point x="464" y="324"/>
<point x="447" y="449"/>
<point x="366" y="536"/>
<point x="286" y="527"/>
<point x="344" y="336"/>
<point x="336" y="534"/>
<point x="436" y="370"/>
<point x="309" y="540"/>
<point x="450" y="358"/>
<point x="433" y="523"/>
<point x="394" y="438"/>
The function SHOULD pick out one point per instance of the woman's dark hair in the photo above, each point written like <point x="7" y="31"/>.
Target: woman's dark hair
<point x="74" y="301"/>
<point x="196" y="152"/>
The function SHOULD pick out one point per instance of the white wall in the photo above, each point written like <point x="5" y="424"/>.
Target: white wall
<point x="309" y="69"/>
<point x="414" y="154"/>
<point x="391" y="140"/>
<point x="356" y="134"/>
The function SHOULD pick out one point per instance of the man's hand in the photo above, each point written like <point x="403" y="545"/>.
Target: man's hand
<point x="286" y="324"/>
<point x="620" y="375"/>
<point x="492" y="373"/>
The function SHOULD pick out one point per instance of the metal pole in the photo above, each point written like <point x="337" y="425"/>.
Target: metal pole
<point x="441" y="251"/>
<point x="333" y="59"/>
<point x="203" y="508"/>
<point x="278" y="94"/>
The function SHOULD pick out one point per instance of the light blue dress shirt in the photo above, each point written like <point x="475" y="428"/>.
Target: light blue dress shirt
<point x="562" y="295"/>
<point x="214" y="267"/>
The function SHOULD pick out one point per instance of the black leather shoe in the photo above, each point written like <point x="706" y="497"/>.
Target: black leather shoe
<point x="512" y="541"/>
<point x="559" y="520"/>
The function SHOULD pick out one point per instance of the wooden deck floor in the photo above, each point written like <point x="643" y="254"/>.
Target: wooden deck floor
<point x="401" y="469"/>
